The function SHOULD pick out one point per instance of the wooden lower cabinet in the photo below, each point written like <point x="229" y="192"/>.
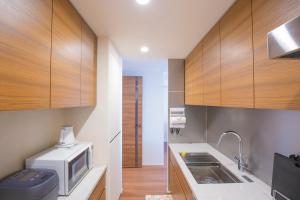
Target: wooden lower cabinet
<point x="99" y="191"/>
<point x="178" y="185"/>
<point x="174" y="184"/>
<point x="103" y="196"/>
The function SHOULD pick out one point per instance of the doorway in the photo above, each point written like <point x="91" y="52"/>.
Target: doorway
<point x="150" y="176"/>
<point x="132" y="121"/>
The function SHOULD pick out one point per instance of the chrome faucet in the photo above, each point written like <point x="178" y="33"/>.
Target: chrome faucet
<point x="242" y="165"/>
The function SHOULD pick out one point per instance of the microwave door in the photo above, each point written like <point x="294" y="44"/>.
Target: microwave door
<point x="77" y="169"/>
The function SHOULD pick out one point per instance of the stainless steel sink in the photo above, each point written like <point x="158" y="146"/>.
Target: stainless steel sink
<point x="206" y="169"/>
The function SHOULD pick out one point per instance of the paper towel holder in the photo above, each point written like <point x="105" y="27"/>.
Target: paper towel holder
<point x="177" y="120"/>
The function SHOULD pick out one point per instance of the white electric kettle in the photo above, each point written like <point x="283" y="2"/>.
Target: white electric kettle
<point x="67" y="137"/>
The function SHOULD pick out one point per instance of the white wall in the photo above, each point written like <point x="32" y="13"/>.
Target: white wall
<point x="100" y="123"/>
<point x="154" y="106"/>
<point x="91" y="124"/>
<point x="25" y="133"/>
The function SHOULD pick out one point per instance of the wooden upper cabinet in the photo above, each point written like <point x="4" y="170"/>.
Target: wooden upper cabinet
<point x="193" y="77"/>
<point x="237" y="56"/>
<point x="88" y="66"/>
<point x="66" y="55"/>
<point x="277" y="81"/>
<point x="187" y="82"/>
<point x="211" y="67"/>
<point x="25" y="49"/>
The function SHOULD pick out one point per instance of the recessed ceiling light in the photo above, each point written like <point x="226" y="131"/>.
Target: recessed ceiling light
<point x="142" y="2"/>
<point x="144" y="49"/>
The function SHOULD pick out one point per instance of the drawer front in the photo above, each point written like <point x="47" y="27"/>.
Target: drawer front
<point x="99" y="190"/>
<point x="103" y="196"/>
<point x="187" y="190"/>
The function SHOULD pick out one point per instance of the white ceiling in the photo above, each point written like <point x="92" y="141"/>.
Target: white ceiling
<point x="170" y="28"/>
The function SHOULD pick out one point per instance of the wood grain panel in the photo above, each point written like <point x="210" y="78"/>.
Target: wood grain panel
<point x="193" y="77"/>
<point x="129" y="121"/>
<point x="184" y="185"/>
<point x="174" y="184"/>
<point x="88" y="66"/>
<point x="237" y="56"/>
<point x="138" y="182"/>
<point x="25" y="49"/>
<point x="277" y="81"/>
<point x="128" y="128"/>
<point x="66" y="55"/>
<point x="187" y="82"/>
<point x="211" y="67"/>
<point x="103" y="196"/>
<point x="140" y="121"/>
<point x="97" y="194"/>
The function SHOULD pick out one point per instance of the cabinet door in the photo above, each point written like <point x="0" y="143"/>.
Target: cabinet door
<point x="88" y="66"/>
<point x="103" y="196"/>
<point x="193" y="77"/>
<point x="211" y="67"/>
<point x="25" y="49"/>
<point x="187" y="81"/>
<point x="66" y="55"/>
<point x="277" y="81"/>
<point x="174" y="184"/>
<point x="99" y="191"/>
<point x="237" y="56"/>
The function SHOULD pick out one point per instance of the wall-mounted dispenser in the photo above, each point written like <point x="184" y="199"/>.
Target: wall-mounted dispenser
<point x="177" y="119"/>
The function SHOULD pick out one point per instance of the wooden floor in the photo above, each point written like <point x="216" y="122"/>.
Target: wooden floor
<point x="138" y="182"/>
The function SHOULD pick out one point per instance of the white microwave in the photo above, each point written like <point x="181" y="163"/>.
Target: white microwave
<point x="71" y="164"/>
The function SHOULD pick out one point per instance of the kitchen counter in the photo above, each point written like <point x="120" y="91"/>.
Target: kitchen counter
<point x="87" y="185"/>
<point x="256" y="190"/>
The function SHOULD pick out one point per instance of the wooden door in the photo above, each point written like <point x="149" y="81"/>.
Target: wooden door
<point x="193" y="77"/>
<point x="132" y="121"/>
<point x="277" y="81"/>
<point x="25" y="51"/>
<point x="66" y="55"/>
<point x="88" y="66"/>
<point x="211" y="67"/>
<point x="237" y="56"/>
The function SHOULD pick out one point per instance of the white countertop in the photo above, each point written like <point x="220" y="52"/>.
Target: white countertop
<point x="85" y="188"/>
<point x="256" y="190"/>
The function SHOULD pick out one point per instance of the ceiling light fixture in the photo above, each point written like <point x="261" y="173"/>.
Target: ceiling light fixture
<point x="142" y="2"/>
<point x="144" y="49"/>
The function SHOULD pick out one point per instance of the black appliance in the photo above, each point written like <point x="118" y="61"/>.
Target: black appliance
<point x="286" y="177"/>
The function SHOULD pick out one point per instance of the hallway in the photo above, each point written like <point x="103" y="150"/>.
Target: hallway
<point x="138" y="182"/>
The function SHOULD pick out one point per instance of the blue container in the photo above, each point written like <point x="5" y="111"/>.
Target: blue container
<point x="30" y="184"/>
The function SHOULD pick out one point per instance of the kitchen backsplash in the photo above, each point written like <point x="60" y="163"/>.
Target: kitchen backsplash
<point x="176" y="99"/>
<point x="25" y="133"/>
<point x="264" y="132"/>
